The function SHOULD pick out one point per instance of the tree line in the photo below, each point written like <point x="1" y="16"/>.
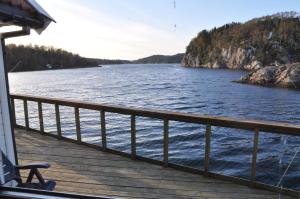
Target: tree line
<point x="34" y="57"/>
<point x="274" y="38"/>
<point x="29" y="57"/>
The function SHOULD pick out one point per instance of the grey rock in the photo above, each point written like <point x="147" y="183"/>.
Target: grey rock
<point x="254" y="65"/>
<point x="231" y="58"/>
<point x="286" y="76"/>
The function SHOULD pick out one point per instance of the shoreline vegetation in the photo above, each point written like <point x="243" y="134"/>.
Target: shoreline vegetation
<point x="268" y="47"/>
<point x="20" y="58"/>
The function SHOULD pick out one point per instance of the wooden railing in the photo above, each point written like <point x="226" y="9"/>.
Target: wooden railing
<point x="166" y="116"/>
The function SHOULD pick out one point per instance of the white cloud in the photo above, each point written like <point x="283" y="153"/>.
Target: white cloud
<point x="94" y="33"/>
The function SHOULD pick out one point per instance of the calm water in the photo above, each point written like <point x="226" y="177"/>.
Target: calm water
<point x="171" y="87"/>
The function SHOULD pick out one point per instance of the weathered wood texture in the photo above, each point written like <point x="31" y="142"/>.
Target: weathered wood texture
<point x="83" y="170"/>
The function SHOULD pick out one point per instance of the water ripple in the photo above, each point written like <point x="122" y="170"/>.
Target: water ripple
<point x="171" y="87"/>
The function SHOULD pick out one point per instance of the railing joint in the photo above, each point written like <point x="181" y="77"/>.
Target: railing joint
<point x="13" y="111"/>
<point x="77" y="121"/>
<point x="58" y="124"/>
<point x="133" y="137"/>
<point x="26" y="114"/>
<point x="207" y="149"/>
<point x="41" y="118"/>
<point x="166" y="143"/>
<point x="103" y="129"/>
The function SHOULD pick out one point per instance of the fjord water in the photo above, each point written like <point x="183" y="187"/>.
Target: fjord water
<point x="171" y="87"/>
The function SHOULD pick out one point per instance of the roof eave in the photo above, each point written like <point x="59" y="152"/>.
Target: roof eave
<point x="15" y="16"/>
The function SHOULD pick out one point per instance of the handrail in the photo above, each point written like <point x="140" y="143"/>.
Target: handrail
<point x="265" y="126"/>
<point x="166" y="116"/>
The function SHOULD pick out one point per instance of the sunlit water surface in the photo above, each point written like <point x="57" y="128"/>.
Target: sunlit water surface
<point x="171" y="87"/>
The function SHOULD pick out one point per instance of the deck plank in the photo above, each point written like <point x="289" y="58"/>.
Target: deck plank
<point x="83" y="170"/>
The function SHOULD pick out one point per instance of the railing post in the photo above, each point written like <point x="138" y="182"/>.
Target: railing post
<point x="133" y="137"/>
<point x="207" y="148"/>
<point x="26" y="114"/>
<point x="103" y="129"/>
<point x="254" y="156"/>
<point x="41" y="118"/>
<point x="166" y="142"/>
<point x="77" y="121"/>
<point x="13" y="111"/>
<point x="58" y="125"/>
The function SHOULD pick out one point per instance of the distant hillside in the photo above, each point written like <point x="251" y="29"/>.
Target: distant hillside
<point x="158" y="59"/>
<point x="110" y="61"/>
<point x="29" y="58"/>
<point x="269" y="40"/>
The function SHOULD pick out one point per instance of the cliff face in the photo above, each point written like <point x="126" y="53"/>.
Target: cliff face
<point x="232" y="58"/>
<point x="270" y="40"/>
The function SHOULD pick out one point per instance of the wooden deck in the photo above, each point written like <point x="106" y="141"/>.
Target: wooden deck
<point x="83" y="170"/>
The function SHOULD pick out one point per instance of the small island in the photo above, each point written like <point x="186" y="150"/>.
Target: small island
<point x="268" y="47"/>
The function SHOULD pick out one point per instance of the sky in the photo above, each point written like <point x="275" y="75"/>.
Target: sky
<point x="131" y="29"/>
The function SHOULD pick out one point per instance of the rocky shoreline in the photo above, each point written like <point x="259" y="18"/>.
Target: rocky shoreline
<point x="268" y="47"/>
<point x="284" y="76"/>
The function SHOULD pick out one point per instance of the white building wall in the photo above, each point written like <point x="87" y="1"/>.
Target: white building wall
<point x="2" y="146"/>
<point x="6" y="137"/>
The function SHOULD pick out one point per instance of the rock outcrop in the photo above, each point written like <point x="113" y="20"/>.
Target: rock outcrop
<point x="260" y="42"/>
<point x="231" y="58"/>
<point x="286" y="76"/>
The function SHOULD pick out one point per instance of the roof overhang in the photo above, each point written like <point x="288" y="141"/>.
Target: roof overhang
<point x="24" y="13"/>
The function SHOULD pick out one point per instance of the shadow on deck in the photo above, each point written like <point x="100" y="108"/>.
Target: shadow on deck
<point x="83" y="170"/>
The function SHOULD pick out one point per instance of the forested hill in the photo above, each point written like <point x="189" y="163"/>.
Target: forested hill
<point x="269" y="40"/>
<point x="30" y="58"/>
<point x="158" y="59"/>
